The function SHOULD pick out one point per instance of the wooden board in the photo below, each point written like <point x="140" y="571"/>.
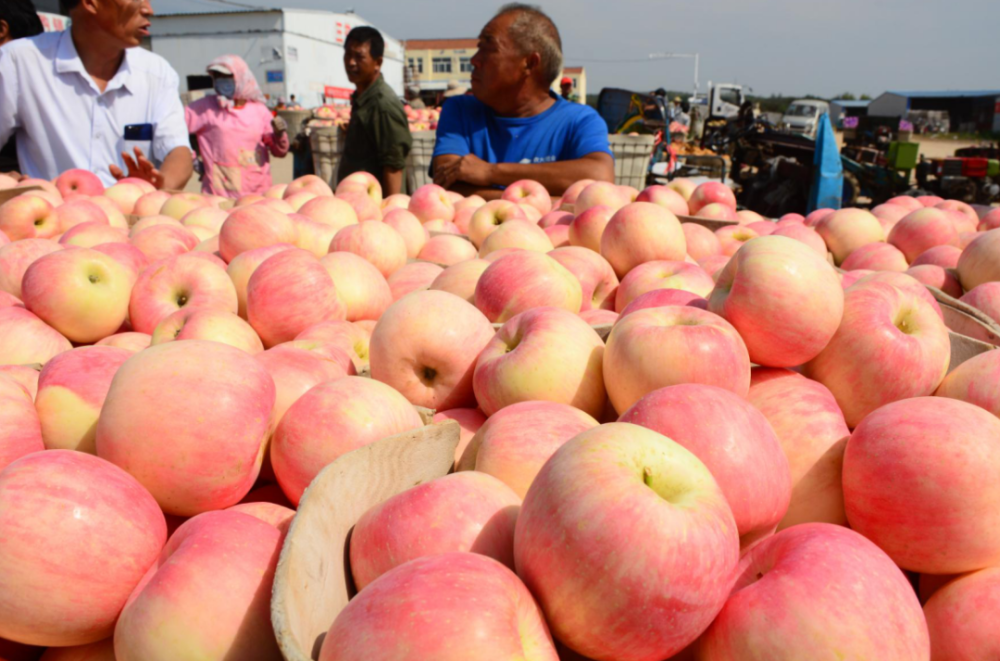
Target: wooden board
<point x="312" y="583"/>
<point x="705" y="222"/>
<point x="963" y="348"/>
<point x="603" y="330"/>
<point x="10" y="193"/>
<point x="967" y="320"/>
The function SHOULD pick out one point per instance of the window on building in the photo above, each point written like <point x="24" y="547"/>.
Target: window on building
<point x="465" y="64"/>
<point x="441" y="64"/>
<point x="416" y="64"/>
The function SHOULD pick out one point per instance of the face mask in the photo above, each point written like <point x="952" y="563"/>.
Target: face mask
<point x="225" y="87"/>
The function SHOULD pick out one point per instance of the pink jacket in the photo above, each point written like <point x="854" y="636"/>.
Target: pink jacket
<point x="235" y="145"/>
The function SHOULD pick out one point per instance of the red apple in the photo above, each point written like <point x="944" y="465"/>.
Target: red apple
<point x="247" y="228"/>
<point x="667" y="198"/>
<point x="19" y="425"/>
<point x="662" y="275"/>
<point x="659" y="298"/>
<point x="588" y="227"/>
<point x="183" y="281"/>
<point x="711" y="192"/>
<point x="599" y="193"/>
<point x="16" y="257"/>
<point x="597" y="279"/>
<point x="985" y="297"/>
<point x="733" y="237"/>
<point x="976" y="381"/>
<point x="26" y="339"/>
<point x="486" y="219"/>
<point x="415" y="235"/>
<point x="922" y="230"/>
<point x="523" y="280"/>
<point x="934" y="276"/>
<point x="527" y="191"/>
<point x="979" y="263"/>
<point x="460" y="279"/>
<point x="701" y="242"/>
<point x="806" y="235"/>
<point x="26" y="217"/>
<point x="447" y="250"/>
<point x="847" y="230"/>
<point x="78" y="181"/>
<point x="642" y="232"/>
<point x="360" y="286"/>
<point x="876" y="257"/>
<point x="207" y="324"/>
<point x="962" y="616"/>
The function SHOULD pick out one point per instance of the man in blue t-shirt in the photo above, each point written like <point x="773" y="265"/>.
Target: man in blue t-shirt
<point x="515" y="127"/>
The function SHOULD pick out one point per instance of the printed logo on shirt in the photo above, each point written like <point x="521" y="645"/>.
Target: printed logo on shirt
<point x="538" y="159"/>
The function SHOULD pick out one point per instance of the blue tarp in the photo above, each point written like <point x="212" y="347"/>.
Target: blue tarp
<point x="828" y="180"/>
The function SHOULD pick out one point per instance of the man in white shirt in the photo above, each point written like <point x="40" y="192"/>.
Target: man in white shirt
<point x="87" y="97"/>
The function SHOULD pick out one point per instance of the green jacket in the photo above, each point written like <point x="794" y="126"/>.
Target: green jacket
<point x="378" y="135"/>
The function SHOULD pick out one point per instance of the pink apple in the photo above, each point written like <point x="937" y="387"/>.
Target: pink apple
<point x="658" y="298"/>
<point x="666" y="197"/>
<point x="714" y="264"/>
<point x="124" y="195"/>
<point x="806" y="235"/>
<point x="516" y="234"/>
<point x="943" y="256"/>
<point x="738" y="447"/>
<point x="422" y="606"/>
<point x="599" y="193"/>
<point x="921" y="230"/>
<point x="19" y="424"/>
<point x="64" y="513"/>
<point x="545" y="354"/>
<point x="890" y="214"/>
<point x="82" y="293"/>
<point x="435" y="227"/>
<point x="899" y="281"/>
<point x="961" y="617"/>
<point x="329" y="211"/>
<point x="364" y="206"/>
<point x="487" y="218"/>
<point x="425" y="346"/>
<point x="734" y="237"/>
<point x="684" y="187"/>
<point x="312" y="236"/>
<point x="469" y="421"/>
<point x="662" y="275"/>
<point x="397" y="201"/>
<point x="150" y="203"/>
<point x="79" y="210"/>
<point x="16" y="257"/>
<point x="310" y="183"/>
<point x="82" y="182"/>
<point x="644" y="347"/>
<point x="711" y="192"/>
<point x="360" y="286"/>
<point x="523" y="280"/>
<point x="180" y="608"/>
<point x="415" y="235"/>
<point x="296" y="370"/>
<point x="467" y="512"/>
<point x="588" y="227"/>
<point x="130" y="341"/>
<point x="960" y="207"/>
<point x="71" y="391"/>
<point x="207" y="324"/>
<point x="678" y="570"/>
<point x="795" y="582"/>
<point x="847" y="230"/>
<point x="254" y="227"/>
<point x="88" y="235"/>
<point x="568" y="200"/>
<point x="985" y="297"/>
<point x="350" y="337"/>
<point x="791" y="219"/>
<point x="529" y="192"/>
<point x="599" y="317"/>
<point x="597" y="279"/>
<point x="811" y="429"/>
<point x="242" y="267"/>
<point x="180" y="204"/>
<point x="979" y="263"/>
<point x="26" y="217"/>
<point x="151" y="221"/>
<point x="193" y="453"/>
<point x="975" y="381"/>
<point x="415" y="276"/>
<point x="289" y="292"/>
<point x="906" y="202"/>
<point x="163" y="241"/>
<point x="431" y="202"/>
<point x="554" y="218"/>
<point x="183" y="281"/>
<point x="934" y="276"/>
<point x="558" y="235"/>
<point x="332" y="419"/>
<point x="517" y="440"/>
<point x="642" y="232"/>
<point x="208" y="217"/>
<point x="990" y="221"/>
<point x="460" y="279"/>
<point x="785" y="300"/>
<point x="701" y="242"/>
<point x="891" y="345"/>
<point x="918" y="481"/>
<point x="376" y="242"/>
<point x="717" y="211"/>
<point x="763" y="228"/>
<point x="364" y="183"/>
<point x="816" y="216"/>
<point x="747" y="217"/>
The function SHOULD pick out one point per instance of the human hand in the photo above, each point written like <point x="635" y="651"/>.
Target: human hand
<point x="469" y="168"/>
<point x="139" y="167"/>
<point x="279" y="125"/>
<point x="15" y="175"/>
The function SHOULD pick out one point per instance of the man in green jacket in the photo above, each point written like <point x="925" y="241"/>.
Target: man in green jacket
<point x="378" y="137"/>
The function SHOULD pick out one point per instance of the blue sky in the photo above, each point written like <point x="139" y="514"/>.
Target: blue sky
<point x="793" y="47"/>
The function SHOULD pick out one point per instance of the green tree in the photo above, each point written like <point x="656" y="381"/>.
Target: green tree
<point x="866" y="97"/>
<point x="847" y="96"/>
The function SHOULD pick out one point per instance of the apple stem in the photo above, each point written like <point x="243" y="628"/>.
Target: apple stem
<point x="647" y="476"/>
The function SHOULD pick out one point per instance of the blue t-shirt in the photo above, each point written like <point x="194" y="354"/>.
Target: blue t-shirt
<point x="565" y="132"/>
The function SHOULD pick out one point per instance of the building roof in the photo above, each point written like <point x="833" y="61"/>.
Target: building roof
<point x="851" y="103"/>
<point x="440" y="44"/>
<point x="573" y="70"/>
<point x="944" y="94"/>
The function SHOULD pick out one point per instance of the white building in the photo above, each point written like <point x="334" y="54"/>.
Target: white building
<point x="290" y="51"/>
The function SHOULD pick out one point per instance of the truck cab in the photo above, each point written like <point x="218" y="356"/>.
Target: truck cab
<point x="802" y="117"/>
<point x="725" y="100"/>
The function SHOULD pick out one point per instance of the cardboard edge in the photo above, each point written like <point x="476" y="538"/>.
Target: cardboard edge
<point x="707" y="223"/>
<point x="8" y="194"/>
<point x="964" y="348"/>
<point x="311" y="582"/>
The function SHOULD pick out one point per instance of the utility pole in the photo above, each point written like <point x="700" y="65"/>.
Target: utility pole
<point x="683" y="56"/>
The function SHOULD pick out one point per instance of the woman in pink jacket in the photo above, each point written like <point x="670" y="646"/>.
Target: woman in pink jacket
<point x="236" y="132"/>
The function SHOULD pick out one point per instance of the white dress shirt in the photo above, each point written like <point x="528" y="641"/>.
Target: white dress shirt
<point x="62" y="121"/>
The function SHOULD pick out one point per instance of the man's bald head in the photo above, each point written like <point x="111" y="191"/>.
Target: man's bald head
<point x="532" y="31"/>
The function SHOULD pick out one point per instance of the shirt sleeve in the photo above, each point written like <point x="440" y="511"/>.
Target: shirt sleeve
<point x="451" y="135"/>
<point x="392" y="136"/>
<point x="8" y="97"/>
<point x="590" y="135"/>
<point x="277" y="146"/>
<point x="171" y="129"/>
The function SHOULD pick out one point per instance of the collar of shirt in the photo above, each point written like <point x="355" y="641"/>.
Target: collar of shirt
<point x="374" y="91"/>
<point x="68" y="61"/>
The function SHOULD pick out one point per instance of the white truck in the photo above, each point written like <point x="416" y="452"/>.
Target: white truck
<point x="802" y="117"/>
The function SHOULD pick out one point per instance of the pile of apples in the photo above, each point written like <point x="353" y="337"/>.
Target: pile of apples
<point x="760" y="461"/>
<point x="423" y="119"/>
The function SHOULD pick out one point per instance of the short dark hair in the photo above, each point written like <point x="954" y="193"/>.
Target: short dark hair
<point x="367" y="35"/>
<point x="21" y="18"/>
<point x="69" y="4"/>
